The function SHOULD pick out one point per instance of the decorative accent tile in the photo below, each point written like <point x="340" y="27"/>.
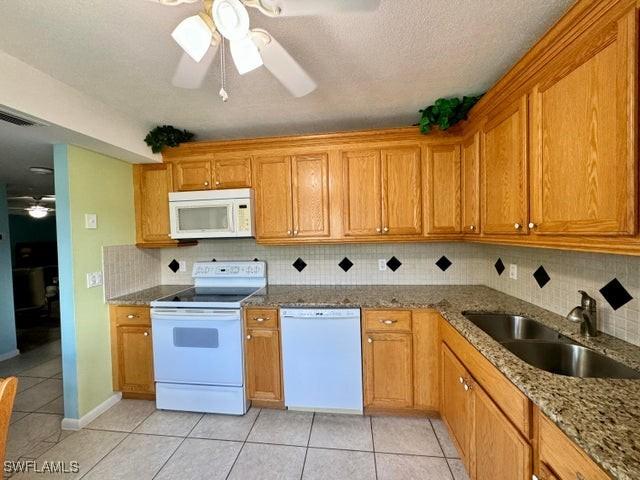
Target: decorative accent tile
<point x="443" y="263"/>
<point x="345" y="264"/>
<point x="499" y="266"/>
<point x="394" y="264"/>
<point x="299" y="264"/>
<point x="541" y="276"/>
<point x="614" y="293"/>
<point x="174" y="266"/>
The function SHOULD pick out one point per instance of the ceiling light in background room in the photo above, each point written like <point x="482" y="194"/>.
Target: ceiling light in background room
<point x="194" y="35"/>
<point x="37" y="211"/>
<point x="41" y="170"/>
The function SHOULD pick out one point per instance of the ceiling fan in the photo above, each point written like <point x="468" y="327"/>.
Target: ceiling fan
<point x="36" y="209"/>
<point x="201" y="35"/>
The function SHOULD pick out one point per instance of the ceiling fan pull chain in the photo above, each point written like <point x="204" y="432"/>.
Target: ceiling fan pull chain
<point x="223" y="74"/>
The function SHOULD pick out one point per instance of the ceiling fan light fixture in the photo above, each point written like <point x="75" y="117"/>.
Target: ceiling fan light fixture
<point x="194" y="36"/>
<point x="37" y="211"/>
<point x="245" y="55"/>
<point x="41" y="170"/>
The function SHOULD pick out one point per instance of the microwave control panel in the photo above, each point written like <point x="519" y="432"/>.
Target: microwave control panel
<point x="244" y="217"/>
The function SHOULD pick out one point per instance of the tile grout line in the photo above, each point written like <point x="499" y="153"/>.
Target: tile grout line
<point x="184" y="439"/>
<point x="373" y="446"/>
<point x="306" y="450"/>
<point x="442" y="449"/>
<point x="255" y="420"/>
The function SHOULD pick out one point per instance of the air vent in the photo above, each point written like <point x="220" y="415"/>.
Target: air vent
<point x="15" y="120"/>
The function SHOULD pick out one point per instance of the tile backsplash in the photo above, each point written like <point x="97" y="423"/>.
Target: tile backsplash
<point x="548" y="278"/>
<point x="338" y="264"/>
<point x="566" y="273"/>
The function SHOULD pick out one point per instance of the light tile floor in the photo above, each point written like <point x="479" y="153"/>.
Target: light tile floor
<point x="133" y="440"/>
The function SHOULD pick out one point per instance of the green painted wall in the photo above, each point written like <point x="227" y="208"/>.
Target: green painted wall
<point x="101" y="185"/>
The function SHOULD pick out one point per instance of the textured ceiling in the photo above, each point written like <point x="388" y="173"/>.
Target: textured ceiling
<point x="373" y="69"/>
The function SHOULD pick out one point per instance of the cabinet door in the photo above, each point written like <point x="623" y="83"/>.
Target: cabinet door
<point x="426" y="359"/>
<point x="310" y="182"/>
<point x="362" y="193"/>
<point x="135" y="359"/>
<point x="152" y="184"/>
<point x="272" y="180"/>
<point x="193" y="175"/>
<point x="583" y="139"/>
<point x="499" y="452"/>
<point x="455" y="408"/>
<point x="504" y="173"/>
<point x="443" y="189"/>
<point x="471" y="184"/>
<point x="232" y="172"/>
<point x="402" y="191"/>
<point x="388" y="370"/>
<point x="262" y="354"/>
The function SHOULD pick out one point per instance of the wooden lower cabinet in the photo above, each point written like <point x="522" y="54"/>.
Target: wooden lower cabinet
<point x="132" y="351"/>
<point x="400" y="360"/>
<point x="455" y="408"/>
<point x="263" y="364"/>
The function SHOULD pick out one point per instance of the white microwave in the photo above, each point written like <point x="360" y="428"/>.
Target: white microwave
<point x="212" y="214"/>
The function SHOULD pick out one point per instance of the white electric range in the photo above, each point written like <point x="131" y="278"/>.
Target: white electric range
<point x="198" y="339"/>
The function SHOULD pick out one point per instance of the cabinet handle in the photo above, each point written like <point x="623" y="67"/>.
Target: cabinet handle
<point x="369" y="340"/>
<point x="146" y="334"/>
<point x="517" y="226"/>
<point x="260" y="319"/>
<point x="217" y="182"/>
<point x="378" y="229"/>
<point x="461" y="380"/>
<point x="289" y="232"/>
<point x="206" y="184"/>
<point x="131" y="315"/>
<point x="466" y="387"/>
<point x="248" y="337"/>
<point x="532" y="225"/>
<point x="579" y="476"/>
<point x="388" y="322"/>
<point x="295" y="232"/>
<point x="385" y="229"/>
<point x="472" y="227"/>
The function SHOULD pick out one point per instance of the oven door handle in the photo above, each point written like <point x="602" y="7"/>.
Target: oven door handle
<point x="195" y="313"/>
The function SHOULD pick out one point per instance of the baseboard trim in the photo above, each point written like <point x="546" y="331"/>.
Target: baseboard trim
<point x="78" y="423"/>
<point x="8" y="355"/>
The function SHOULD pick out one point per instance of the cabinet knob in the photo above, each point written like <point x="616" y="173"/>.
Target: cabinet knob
<point x="385" y="229"/>
<point x="206" y="184"/>
<point x="217" y="182"/>
<point x="517" y="226"/>
<point x="579" y="476"/>
<point x="146" y="334"/>
<point x="472" y="227"/>
<point x="295" y="232"/>
<point x="289" y="232"/>
<point x="369" y="340"/>
<point x="378" y="229"/>
<point x="388" y="322"/>
<point x="259" y="319"/>
<point x="248" y="337"/>
<point x="461" y="380"/>
<point x="131" y="315"/>
<point x="466" y="387"/>
<point x="532" y="225"/>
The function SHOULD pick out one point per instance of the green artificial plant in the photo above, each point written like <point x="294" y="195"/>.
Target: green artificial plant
<point x="446" y="112"/>
<point x="166" y="136"/>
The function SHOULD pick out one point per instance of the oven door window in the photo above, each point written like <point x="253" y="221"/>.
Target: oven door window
<point x="195" y="337"/>
<point x="215" y="218"/>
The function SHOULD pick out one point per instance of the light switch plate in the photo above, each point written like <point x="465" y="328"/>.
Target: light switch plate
<point x="513" y="271"/>
<point x="90" y="221"/>
<point x="94" y="279"/>
<point x="382" y="264"/>
<point x="183" y="265"/>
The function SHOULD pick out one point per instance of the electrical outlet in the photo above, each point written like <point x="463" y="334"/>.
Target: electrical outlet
<point x="183" y="265"/>
<point x="513" y="271"/>
<point x="90" y="221"/>
<point x="382" y="264"/>
<point x="94" y="279"/>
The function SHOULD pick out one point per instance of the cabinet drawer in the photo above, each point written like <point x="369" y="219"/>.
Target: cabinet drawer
<point x="262" y="318"/>
<point x="132" y="315"/>
<point x="387" y="320"/>
<point x="563" y="456"/>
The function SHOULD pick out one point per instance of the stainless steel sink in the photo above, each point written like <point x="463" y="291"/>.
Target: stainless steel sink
<point x="546" y="349"/>
<point x="504" y="327"/>
<point x="568" y="359"/>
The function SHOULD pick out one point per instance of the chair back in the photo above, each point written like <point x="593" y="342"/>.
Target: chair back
<point x="8" y="388"/>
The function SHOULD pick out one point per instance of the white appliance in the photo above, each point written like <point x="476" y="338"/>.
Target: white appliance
<point x="322" y="360"/>
<point x="198" y="339"/>
<point x="212" y="213"/>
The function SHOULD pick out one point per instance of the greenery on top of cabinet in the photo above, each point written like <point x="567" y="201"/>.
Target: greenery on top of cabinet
<point x="446" y="112"/>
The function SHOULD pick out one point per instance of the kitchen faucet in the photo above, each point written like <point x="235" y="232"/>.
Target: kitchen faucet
<point x="586" y="314"/>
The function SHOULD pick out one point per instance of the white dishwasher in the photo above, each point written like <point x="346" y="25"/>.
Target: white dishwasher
<point x="322" y="359"/>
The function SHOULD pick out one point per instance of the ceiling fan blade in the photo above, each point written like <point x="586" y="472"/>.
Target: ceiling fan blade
<point x="291" y="8"/>
<point x="283" y="66"/>
<point x="172" y="3"/>
<point x="191" y="74"/>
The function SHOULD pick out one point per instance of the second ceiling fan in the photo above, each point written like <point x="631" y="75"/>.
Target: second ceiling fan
<point x="201" y="36"/>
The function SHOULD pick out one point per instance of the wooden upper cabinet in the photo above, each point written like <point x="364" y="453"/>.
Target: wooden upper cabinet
<point x="401" y="191"/>
<point x="504" y="172"/>
<point x="498" y="449"/>
<point x="583" y="138"/>
<point x="471" y="184"/>
<point x="192" y="175"/>
<point x="443" y="189"/>
<point x="310" y="190"/>
<point x="272" y="181"/>
<point x="232" y="172"/>
<point x="362" y="209"/>
<point x="152" y="184"/>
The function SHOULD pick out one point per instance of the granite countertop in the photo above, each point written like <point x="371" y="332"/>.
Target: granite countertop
<point x="146" y="296"/>
<point x="602" y="416"/>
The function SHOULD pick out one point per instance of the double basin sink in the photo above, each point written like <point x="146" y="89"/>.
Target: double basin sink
<point x="546" y="349"/>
